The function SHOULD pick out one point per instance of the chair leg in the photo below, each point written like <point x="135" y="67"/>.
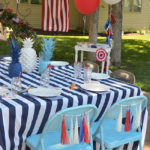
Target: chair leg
<point x="140" y="145"/>
<point x="102" y="145"/>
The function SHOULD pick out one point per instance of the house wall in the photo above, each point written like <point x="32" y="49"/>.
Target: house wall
<point x="137" y="21"/>
<point x="131" y="21"/>
<point x="103" y="16"/>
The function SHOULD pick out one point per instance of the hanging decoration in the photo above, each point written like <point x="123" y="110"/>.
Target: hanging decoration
<point x="111" y="20"/>
<point x="64" y="136"/>
<point x="126" y="128"/>
<point x="86" y="7"/>
<point x="135" y="119"/>
<point x="112" y="2"/>
<point x="139" y="116"/>
<point x="130" y="118"/>
<point x="101" y="55"/>
<point x="88" y="123"/>
<point x="26" y="13"/>
<point x="71" y="131"/>
<point x="86" y="138"/>
<point x="81" y="130"/>
<point x="119" y="121"/>
<point x="55" y="15"/>
<point x="76" y="136"/>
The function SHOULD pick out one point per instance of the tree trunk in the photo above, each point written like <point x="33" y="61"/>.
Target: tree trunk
<point x="93" y="31"/>
<point x="117" y="34"/>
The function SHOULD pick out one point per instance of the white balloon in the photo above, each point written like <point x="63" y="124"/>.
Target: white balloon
<point x="111" y="2"/>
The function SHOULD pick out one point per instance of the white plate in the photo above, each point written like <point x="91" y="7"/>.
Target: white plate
<point x="3" y="91"/>
<point x="45" y="92"/>
<point x="99" y="76"/>
<point x="58" y="63"/>
<point x="94" y="87"/>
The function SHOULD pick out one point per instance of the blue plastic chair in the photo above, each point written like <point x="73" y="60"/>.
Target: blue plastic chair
<point x="106" y="133"/>
<point x="50" y="137"/>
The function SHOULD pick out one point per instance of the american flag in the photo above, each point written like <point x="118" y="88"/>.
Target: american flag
<point x="55" y="15"/>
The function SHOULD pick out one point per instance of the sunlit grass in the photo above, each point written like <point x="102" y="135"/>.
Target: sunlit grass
<point x="135" y="54"/>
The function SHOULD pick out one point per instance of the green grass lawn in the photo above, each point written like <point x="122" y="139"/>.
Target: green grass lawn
<point x="135" y="54"/>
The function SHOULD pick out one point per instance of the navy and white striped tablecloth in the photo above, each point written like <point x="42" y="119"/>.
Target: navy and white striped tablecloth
<point x="26" y="115"/>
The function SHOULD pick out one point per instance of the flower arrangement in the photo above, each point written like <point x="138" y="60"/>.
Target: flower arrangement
<point x="20" y="28"/>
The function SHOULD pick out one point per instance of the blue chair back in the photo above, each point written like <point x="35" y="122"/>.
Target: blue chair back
<point x="54" y="123"/>
<point x="132" y="103"/>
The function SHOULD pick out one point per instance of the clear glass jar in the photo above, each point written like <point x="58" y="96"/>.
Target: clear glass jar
<point x="15" y="85"/>
<point x="45" y="79"/>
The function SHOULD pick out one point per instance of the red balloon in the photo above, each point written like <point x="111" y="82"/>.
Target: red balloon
<point x="86" y="7"/>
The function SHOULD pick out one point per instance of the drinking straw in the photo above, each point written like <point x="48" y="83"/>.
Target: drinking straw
<point x="17" y="81"/>
<point x="48" y="67"/>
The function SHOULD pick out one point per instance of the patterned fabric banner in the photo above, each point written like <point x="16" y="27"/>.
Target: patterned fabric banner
<point x="55" y="15"/>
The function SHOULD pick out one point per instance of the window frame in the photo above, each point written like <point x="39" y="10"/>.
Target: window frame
<point x="132" y="7"/>
<point x="29" y="2"/>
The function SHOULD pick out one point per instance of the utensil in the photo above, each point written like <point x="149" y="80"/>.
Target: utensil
<point x="25" y="90"/>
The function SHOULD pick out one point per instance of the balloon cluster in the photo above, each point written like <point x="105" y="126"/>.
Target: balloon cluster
<point x="86" y="7"/>
<point x="111" y="20"/>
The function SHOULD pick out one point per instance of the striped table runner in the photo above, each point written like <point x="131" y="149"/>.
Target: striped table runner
<point x="26" y="115"/>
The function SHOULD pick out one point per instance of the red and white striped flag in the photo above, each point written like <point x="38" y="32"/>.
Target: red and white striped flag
<point x="55" y="15"/>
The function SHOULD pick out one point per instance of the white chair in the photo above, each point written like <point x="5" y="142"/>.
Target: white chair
<point x="87" y="48"/>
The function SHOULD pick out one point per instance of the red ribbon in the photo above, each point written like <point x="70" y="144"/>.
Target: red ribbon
<point x="48" y="67"/>
<point x="112" y="19"/>
<point x="108" y="32"/>
<point x="126" y="128"/>
<point x="85" y="132"/>
<point x="64" y="136"/>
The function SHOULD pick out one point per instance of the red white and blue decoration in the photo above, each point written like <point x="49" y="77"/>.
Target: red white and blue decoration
<point x="101" y="55"/>
<point x="75" y="137"/>
<point x="126" y="127"/>
<point x="64" y="136"/>
<point x="119" y="121"/>
<point x="86" y="7"/>
<point x="55" y="15"/>
<point x="111" y="20"/>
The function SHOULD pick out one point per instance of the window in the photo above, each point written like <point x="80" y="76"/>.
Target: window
<point x="31" y="1"/>
<point x="23" y="1"/>
<point x="132" y="5"/>
<point x="36" y="1"/>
